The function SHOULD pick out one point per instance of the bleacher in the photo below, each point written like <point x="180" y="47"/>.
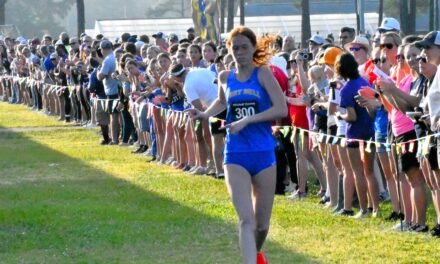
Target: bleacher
<point x="283" y="25"/>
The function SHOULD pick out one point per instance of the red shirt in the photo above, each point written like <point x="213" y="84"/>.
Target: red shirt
<point x="283" y="81"/>
<point x="297" y="113"/>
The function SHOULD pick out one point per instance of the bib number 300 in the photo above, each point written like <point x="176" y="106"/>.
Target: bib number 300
<point x="244" y="109"/>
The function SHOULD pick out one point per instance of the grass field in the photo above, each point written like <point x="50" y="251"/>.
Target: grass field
<point x="17" y="116"/>
<point x="65" y="199"/>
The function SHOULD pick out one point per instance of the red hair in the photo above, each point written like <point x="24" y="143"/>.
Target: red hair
<point x="262" y="53"/>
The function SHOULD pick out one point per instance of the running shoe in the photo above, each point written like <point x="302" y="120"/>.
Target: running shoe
<point x="401" y="227"/>
<point x="220" y="175"/>
<point x="394" y="216"/>
<point x="361" y="214"/>
<point x="290" y="188"/>
<point x="384" y="196"/>
<point x="420" y="228"/>
<point x="344" y="212"/>
<point x="324" y="200"/>
<point x="435" y="231"/>
<point x="186" y="168"/>
<point x="199" y="171"/>
<point x="297" y="195"/>
<point x="321" y="193"/>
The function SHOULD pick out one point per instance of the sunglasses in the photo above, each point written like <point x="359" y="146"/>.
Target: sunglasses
<point x="293" y="61"/>
<point x="400" y="57"/>
<point x="378" y="60"/>
<point x="355" y="48"/>
<point x="386" y="45"/>
<point x="422" y="59"/>
<point x="381" y="30"/>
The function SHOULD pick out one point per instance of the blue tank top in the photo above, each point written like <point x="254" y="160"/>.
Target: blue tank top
<point x="245" y="99"/>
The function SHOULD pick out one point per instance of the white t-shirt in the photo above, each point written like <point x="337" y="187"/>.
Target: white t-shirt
<point x="342" y="124"/>
<point x="199" y="84"/>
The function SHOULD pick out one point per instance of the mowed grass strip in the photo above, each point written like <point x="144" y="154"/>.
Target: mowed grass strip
<point x="64" y="199"/>
<point x="17" y="116"/>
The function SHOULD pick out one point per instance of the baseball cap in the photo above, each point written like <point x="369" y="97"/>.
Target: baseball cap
<point x="132" y="39"/>
<point x="330" y="55"/>
<point x="53" y="56"/>
<point x="139" y="44"/>
<point x="361" y="41"/>
<point x="317" y="39"/>
<point x="390" y="23"/>
<point x="159" y="35"/>
<point x="173" y="37"/>
<point x="35" y="59"/>
<point x="432" y="38"/>
<point x="105" y="44"/>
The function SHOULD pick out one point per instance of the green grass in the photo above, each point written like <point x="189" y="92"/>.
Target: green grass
<point x="17" y="116"/>
<point x="65" y="199"/>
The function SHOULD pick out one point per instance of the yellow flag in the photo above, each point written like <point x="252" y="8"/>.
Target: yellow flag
<point x="343" y="142"/>
<point x="368" y="148"/>
<point x="398" y="149"/>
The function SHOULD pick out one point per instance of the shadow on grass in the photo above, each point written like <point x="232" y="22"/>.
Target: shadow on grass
<point x="55" y="209"/>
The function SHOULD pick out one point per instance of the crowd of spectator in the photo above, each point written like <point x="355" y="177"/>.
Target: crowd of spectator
<point x="363" y="110"/>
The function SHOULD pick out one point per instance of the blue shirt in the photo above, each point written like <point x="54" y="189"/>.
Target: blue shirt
<point x="109" y="67"/>
<point x="363" y="127"/>
<point x="246" y="99"/>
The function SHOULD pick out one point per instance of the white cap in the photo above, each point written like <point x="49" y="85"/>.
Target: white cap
<point x="390" y="23"/>
<point x="317" y="39"/>
<point x="139" y="44"/>
<point x="279" y="62"/>
<point x="359" y="41"/>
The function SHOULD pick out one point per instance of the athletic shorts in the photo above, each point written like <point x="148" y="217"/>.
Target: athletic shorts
<point x="382" y="139"/>
<point x="216" y="122"/>
<point x="102" y="116"/>
<point x="355" y="143"/>
<point x="408" y="160"/>
<point x="253" y="162"/>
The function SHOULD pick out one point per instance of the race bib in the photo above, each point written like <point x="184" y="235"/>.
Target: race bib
<point x="242" y="109"/>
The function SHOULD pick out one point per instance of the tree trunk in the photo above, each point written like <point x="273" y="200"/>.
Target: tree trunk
<point x="2" y="12"/>
<point x="380" y="12"/>
<point x="436" y="15"/>
<point x="305" y="23"/>
<point x="403" y="16"/>
<point x="431" y="15"/>
<point x="222" y="15"/>
<point x="356" y="10"/>
<point x="81" y="16"/>
<point x="242" y="12"/>
<point x="412" y="17"/>
<point x="230" y="15"/>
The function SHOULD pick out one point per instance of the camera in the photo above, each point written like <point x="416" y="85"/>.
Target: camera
<point x="306" y="56"/>
<point x="414" y="116"/>
<point x="333" y="85"/>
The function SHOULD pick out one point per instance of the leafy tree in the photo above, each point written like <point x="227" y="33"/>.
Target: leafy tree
<point x="36" y="18"/>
